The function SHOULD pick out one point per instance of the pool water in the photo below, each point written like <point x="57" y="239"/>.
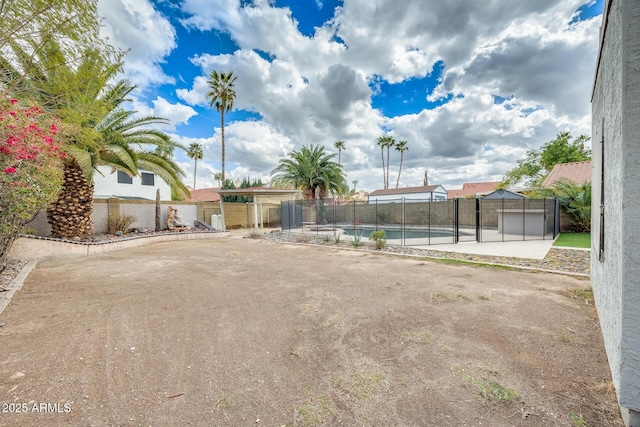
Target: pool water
<point x="397" y="234"/>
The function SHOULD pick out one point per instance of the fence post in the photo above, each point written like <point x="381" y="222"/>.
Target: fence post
<point x="402" y="224"/>
<point x="477" y="220"/>
<point x="456" y="203"/>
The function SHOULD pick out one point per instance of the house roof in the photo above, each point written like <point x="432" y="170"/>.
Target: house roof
<point x="204" y="195"/>
<point x="504" y="194"/>
<point x="577" y="172"/>
<point x="472" y="189"/>
<point x="407" y="190"/>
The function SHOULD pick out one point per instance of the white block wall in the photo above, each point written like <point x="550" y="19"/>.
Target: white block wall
<point x="616" y="279"/>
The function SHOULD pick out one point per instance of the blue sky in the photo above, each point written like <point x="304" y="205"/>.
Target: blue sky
<point x="470" y="86"/>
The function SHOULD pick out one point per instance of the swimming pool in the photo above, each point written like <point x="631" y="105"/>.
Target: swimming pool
<point x="396" y="234"/>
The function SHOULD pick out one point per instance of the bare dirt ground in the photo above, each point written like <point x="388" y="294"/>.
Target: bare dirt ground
<point x="239" y="332"/>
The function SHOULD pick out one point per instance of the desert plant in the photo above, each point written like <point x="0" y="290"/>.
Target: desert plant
<point x="120" y="223"/>
<point x="380" y="237"/>
<point x="576" y="199"/>
<point x="356" y="239"/>
<point x="382" y="216"/>
<point x="336" y="238"/>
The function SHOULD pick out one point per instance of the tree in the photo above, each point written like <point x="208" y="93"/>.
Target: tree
<point x="195" y="152"/>
<point x="538" y="163"/>
<point x="401" y="146"/>
<point x="313" y="171"/>
<point x="32" y="25"/>
<point x="340" y="146"/>
<point x="97" y="131"/>
<point x="30" y="167"/>
<point x="218" y="177"/>
<point x="385" y="142"/>
<point x="222" y="95"/>
<point x="576" y="199"/>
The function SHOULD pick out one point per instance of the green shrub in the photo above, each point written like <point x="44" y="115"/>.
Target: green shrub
<point x="120" y="223"/>
<point x="380" y="237"/>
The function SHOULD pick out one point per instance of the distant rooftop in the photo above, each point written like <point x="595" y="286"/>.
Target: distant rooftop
<point x="204" y="195"/>
<point x="473" y="189"/>
<point x="577" y="172"/>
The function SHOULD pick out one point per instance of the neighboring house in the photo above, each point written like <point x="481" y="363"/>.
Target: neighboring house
<point x="110" y="183"/>
<point x="204" y="195"/>
<point x="473" y="189"/>
<point x="615" y="223"/>
<point x="425" y="193"/>
<point x="577" y="172"/>
<point x="504" y="194"/>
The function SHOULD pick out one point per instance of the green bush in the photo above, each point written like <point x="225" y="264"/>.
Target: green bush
<point x="380" y="237"/>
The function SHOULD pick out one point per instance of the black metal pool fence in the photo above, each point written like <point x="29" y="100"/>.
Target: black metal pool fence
<point x="424" y="222"/>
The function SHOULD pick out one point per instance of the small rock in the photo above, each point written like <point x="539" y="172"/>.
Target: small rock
<point x="119" y="233"/>
<point x="17" y="375"/>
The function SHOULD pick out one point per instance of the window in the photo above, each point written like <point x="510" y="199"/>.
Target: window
<point x="124" y="178"/>
<point x="147" y="178"/>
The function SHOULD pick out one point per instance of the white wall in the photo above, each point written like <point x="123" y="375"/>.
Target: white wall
<point x="616" y="279"/>
<point x="107" y="185"/>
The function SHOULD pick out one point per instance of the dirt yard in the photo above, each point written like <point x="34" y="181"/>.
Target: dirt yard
<point x="239" y="332"/>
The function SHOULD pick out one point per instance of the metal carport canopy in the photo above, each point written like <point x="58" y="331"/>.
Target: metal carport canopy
<point x="260" y="195"/>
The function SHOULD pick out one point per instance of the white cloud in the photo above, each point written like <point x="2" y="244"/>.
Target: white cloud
<point x="176" y="113"/>
<point x="135" y="26"/>
<point x="315" y="90"/>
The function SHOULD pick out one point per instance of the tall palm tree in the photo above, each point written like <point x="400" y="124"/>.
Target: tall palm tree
<point x="218" y="177"/>
<point x="390" y="143"/>
<point x="222" y="95"/>
<point x="96" y="129"/>
<point x="313" y="171"/>
<point x="382" y="143"/>
<point x="195" y="152"/>
<point x="401" y="146"/>
<point x="340" y="146"/>
<point x="386" y="142"/>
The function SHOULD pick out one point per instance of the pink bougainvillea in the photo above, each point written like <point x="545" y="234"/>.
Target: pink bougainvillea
<point x="31" y="164"/>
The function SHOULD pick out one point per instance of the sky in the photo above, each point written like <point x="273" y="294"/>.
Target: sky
<point x="470" y="85"/>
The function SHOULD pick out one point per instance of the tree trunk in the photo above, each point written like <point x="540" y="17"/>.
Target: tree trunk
<point x="386" y="184"/>
<point x="384" y="174"/>
<point x="222" y="140"/>
<point x="71" y="214"/>
<point x="399" y="170"/>
<point x="158" y="211"/>
<point x="195" y="168"/>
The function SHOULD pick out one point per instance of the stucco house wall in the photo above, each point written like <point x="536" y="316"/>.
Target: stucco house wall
<point x="615" y="260"/>
<point x="107" y="186"/>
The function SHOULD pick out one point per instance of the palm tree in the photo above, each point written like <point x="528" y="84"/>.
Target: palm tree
<point x="382" y="143"/>
<point x="340" y="146"/>
<point x="576" y="199"/>
<point x="401" y="146"/>
<point x="222" y="95"/>
<point x="386" y="142"/>
<point x="218" y="177"/>
<point x="195" y="152"/>
<point x="390" y="143"/>
<point x="96" y="129"/>
<point x="313" y="171"/>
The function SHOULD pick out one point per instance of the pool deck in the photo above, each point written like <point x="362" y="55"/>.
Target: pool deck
<point x="531" y="249"/>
